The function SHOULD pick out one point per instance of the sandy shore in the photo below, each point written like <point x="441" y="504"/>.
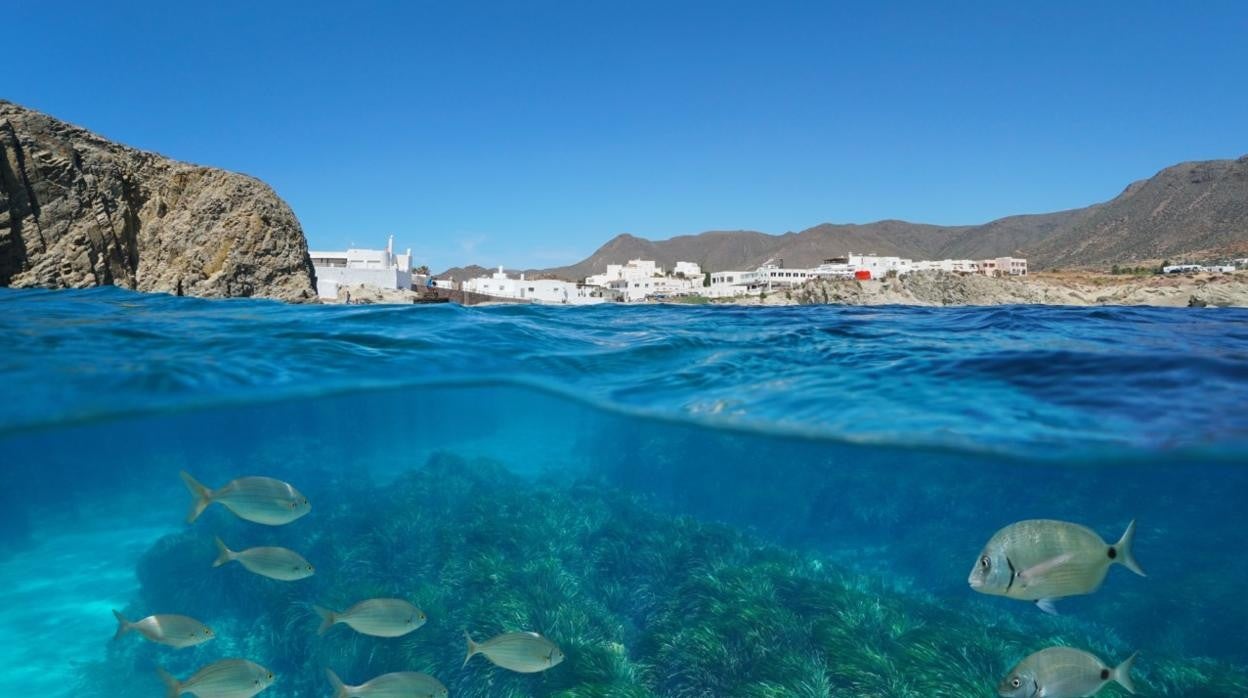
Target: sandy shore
<point x="1051" y="288"/>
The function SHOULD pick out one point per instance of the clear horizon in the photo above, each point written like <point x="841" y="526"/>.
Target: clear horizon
<point x="528" y="136"/>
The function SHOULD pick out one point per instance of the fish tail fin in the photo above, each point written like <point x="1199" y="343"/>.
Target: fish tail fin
<point x="173" y="687"/>
<point x="472" y="647"/>
<point x="123" y="625"/>
<point x="1122" y="674"/>
<point x="201" y="497"/>
<point x="1125" y="553"/>
<point x="340" y="689"/>
<point x="224" y="554"/>
<point x="328" y="618"/>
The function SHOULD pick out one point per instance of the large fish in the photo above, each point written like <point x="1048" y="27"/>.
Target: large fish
<point x="281" y="564"/>
<point x="401" y="684"/>
<point x="1042" y="560"/>
<point x="376" y="617"/>
<point x="259" y="499"/>
<point x="522" y="652"/>
<point x="175" y="631"/>
<point x="1062" y="672"/>
<point x="228" y="678"/>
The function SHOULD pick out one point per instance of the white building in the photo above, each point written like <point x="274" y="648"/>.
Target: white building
<point x="1182" y="268"/>
<point x="730" y="284"/>
<point x="379" y="268"/>
<point x="952" y="266"/>
<point x="689" y="270"/>
<point x="542" y="291"/>
<point x="633" y="281"/>
<point x="879" y="266"/>
<point x="1002" y="266"/>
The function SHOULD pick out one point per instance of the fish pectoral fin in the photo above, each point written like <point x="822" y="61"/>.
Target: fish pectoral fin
<point x="1048" y="606"/>
<point x="1038" y="570"/>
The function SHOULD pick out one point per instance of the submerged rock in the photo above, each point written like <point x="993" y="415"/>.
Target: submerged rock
<point x="77" y="210"/>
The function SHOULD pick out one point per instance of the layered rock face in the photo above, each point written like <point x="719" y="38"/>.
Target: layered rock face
<point x="77" y="210"/>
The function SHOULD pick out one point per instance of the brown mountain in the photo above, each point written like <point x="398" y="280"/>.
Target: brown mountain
<point x="77" y="210"/>
<point x="1191" y="209"/>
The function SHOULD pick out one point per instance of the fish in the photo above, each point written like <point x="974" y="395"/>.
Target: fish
<point x="175" y="631"/>
<point x="1063" y="672"/>
<point x="401" y="684"/>
<point x="228" y="678"/>
<point x="261" y="500"/>
<point x="281" y="564"/>
<point x="523" y="652"/>
<point x="1043" y="560"/>
<point x="376" y="617"/>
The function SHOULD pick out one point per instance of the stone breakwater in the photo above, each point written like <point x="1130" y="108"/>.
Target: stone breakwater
<point x="77" y="210"/>
<point x="937" y="288"/>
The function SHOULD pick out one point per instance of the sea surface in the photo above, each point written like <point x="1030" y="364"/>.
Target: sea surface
<point x="689" y="501"/>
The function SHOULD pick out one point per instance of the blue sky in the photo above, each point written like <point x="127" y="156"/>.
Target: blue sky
<point x="528" y="133"/>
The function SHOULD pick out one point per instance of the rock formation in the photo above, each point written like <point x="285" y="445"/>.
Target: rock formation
<point x="940" y="288"/>
<point x="77" y="210"/>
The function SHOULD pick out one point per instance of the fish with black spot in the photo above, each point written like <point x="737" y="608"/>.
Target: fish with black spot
<point x="1064" y="672"/>
<point x="1042" y="560"/>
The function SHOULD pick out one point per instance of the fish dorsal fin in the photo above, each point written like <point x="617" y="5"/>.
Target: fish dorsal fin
<point x="1038" y="570"/>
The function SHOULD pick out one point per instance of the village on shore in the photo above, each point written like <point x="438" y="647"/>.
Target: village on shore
<point x="370" y="275"/>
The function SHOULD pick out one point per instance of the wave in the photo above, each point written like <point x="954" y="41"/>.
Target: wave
<point x="1042" y="380"/>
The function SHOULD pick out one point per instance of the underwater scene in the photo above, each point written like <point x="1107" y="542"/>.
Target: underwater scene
<point x="619" y="501"/>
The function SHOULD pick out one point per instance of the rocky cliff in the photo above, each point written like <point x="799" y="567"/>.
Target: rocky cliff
<point x="77" y="210"/>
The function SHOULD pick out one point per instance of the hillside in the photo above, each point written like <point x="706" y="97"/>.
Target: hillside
<point x="1194" y="208"/>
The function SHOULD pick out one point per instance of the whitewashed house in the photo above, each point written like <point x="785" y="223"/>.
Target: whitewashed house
<point x="541" y="291"/>
<point x="379" y="268"/>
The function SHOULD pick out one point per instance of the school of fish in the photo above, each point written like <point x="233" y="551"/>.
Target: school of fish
<point x="1038" y="560"/>
<point x="272" y="502"/>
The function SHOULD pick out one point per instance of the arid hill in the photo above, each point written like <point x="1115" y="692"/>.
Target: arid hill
<point x="1194" y="208"/>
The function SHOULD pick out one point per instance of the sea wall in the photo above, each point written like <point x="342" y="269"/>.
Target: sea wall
<point x="77" y="210"/>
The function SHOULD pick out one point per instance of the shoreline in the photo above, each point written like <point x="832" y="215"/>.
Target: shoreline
<point x="1081" y="289"/>
<point x="938" y="289"/>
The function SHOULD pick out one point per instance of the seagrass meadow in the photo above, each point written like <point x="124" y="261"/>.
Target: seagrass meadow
<point x="642" y="603"/>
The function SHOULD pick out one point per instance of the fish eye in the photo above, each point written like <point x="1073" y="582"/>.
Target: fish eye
<point x="1015" y="682"/>
<point x="985" y="562"/>
<point x="270" y="675"/>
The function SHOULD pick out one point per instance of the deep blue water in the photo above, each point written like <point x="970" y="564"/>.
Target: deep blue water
<point x="890" y="441"/>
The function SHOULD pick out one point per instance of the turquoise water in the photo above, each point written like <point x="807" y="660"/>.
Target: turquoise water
<point x="689" y="501"/>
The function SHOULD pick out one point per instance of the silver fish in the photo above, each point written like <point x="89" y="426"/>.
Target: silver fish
<point x="1042" y="560"/>
<point x="522" y="652"/>
<point x="376" y="617"/>
<point x="1062" y="672"/>
<point x="228" y="678"/>
<point x="282" y="564"/>
<point x="262" y="500"/>
<point x="401" y="684"/>
<point x="175" y="631"/>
